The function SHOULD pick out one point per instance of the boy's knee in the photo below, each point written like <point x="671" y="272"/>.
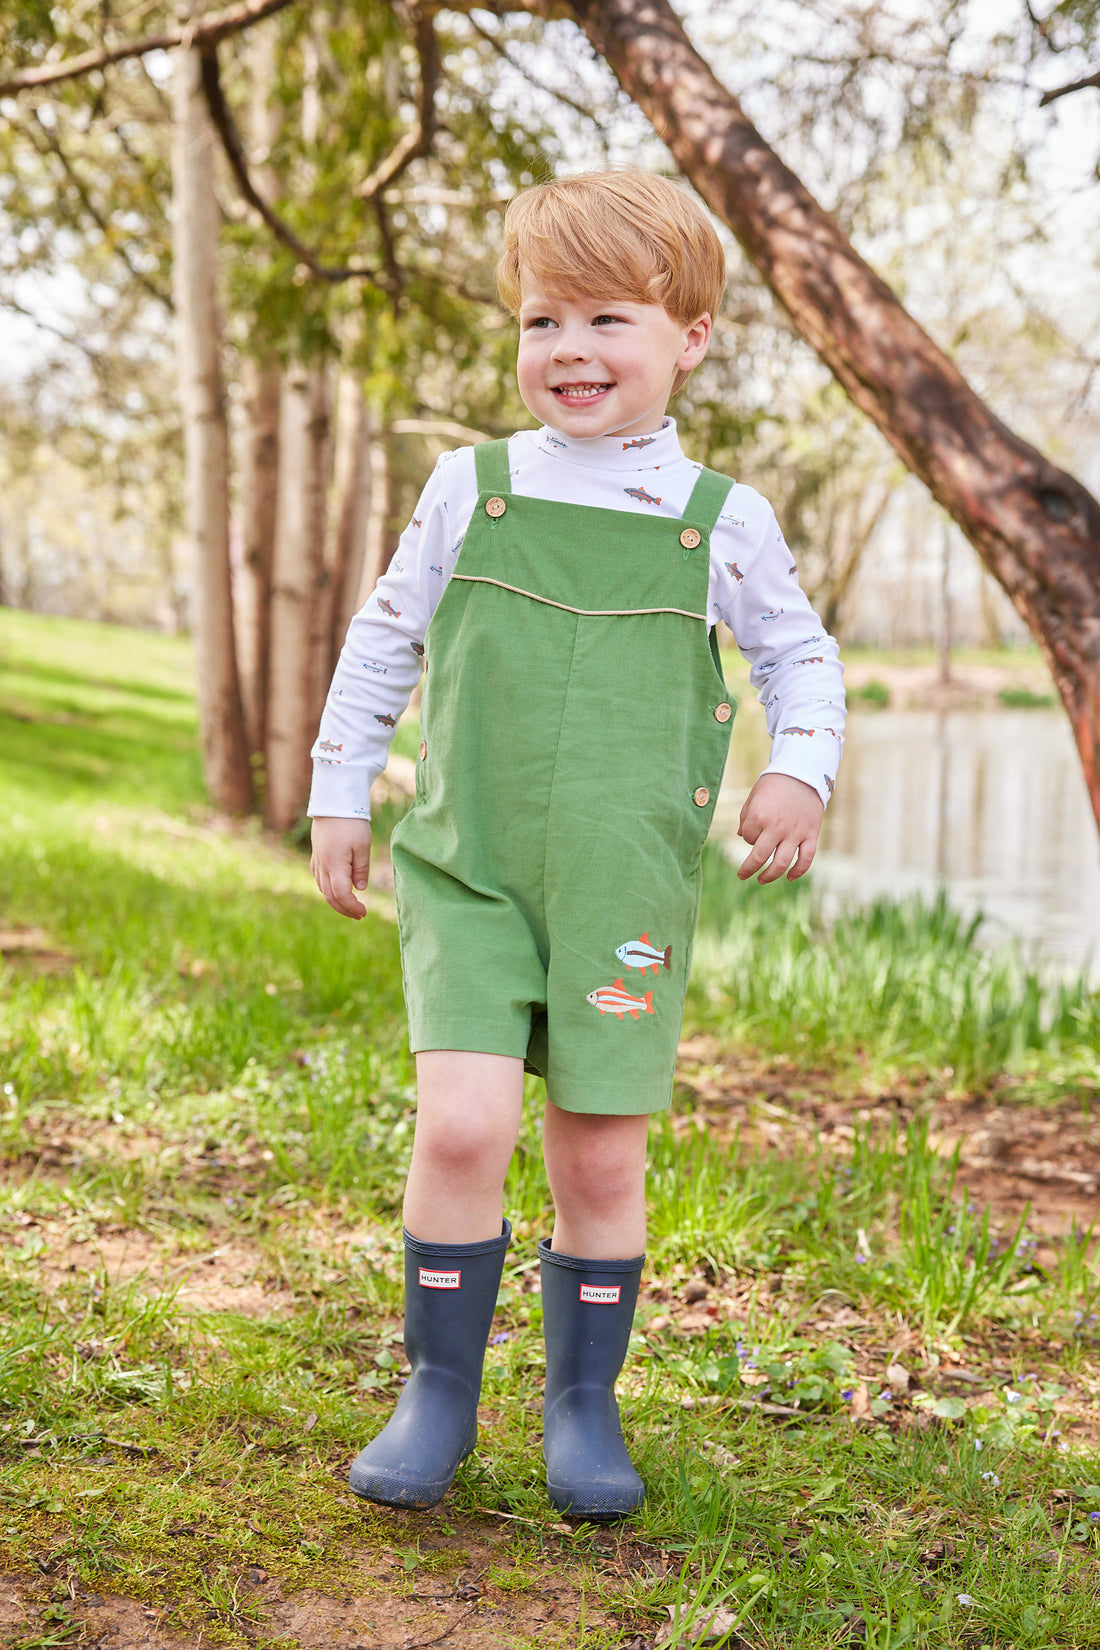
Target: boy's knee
<point x="462" y="1145"/>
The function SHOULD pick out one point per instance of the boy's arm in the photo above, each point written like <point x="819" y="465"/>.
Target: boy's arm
<point x="378" y="668"/>
<point x="800" y="681"/>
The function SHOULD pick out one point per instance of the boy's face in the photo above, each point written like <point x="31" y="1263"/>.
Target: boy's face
<point x="593" y="367"/>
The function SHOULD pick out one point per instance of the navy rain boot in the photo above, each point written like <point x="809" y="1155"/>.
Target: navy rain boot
<point x="587" y="1312"/>
<point x="450" y="1297"/>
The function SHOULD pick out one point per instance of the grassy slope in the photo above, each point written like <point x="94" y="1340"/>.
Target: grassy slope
<point x="199" y="1060"/>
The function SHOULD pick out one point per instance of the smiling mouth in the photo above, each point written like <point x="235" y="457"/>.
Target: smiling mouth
<point x="580" y="392"/>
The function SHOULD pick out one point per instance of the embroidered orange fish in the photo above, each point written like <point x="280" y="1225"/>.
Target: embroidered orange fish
<point x="616" y="999"/>
<point x="386" y="721"/>
<point x="640" y="954"/>
<point x="327" y="745"/>
<point x="732" y="567"/>
<point x="809" y="732"/>
<point x="639" y="441"/>
<point x="641" y="495"/>
<point x="393" y="612"/>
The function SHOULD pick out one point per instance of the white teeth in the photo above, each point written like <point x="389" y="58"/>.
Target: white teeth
<point x="580" y="392"/>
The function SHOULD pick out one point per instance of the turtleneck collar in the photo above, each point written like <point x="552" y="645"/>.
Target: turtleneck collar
<point x="615" y="452"/>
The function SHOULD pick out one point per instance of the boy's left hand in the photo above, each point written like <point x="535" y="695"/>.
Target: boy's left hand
<point x="781" y="818"/>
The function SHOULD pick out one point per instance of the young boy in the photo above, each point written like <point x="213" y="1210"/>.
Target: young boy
<point x="574" y="730"/>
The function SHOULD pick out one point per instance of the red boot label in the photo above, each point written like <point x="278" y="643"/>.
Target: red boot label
<point x="599" y="1294"/>
<point x="439" y="1280"/>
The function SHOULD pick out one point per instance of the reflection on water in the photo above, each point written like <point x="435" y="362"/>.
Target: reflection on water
<point x="989" y="804"/>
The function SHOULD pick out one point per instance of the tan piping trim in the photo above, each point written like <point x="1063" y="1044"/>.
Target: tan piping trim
<point x="585" y="612"/>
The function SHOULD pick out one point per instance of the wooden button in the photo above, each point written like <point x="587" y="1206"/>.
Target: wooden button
<point x="423" y="749"/>
<point x="723" y="712"/>
<point x="690" y="538"/>
<point x="495" y="507"/>
<point x="701" y="797"/>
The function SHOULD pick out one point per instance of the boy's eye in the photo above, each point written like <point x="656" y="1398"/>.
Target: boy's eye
<point x="602" y="320"/>
<point x="538" y="321"/>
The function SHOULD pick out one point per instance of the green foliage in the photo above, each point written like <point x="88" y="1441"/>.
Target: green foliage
<point x="873" y="693"/>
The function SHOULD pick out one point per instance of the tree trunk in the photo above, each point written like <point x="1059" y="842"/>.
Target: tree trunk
<point x="262" y="383"/>
<point x="206" y="438"/>
<point x="299" y="652"/>
<point x="351" y="485"/>
<point x="1035" y="527"/>
<point x="381" y="540"/>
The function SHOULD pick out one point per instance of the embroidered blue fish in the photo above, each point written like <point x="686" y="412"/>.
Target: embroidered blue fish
<point x="386" y="607"/>
<point x="386" y="721"/>
<point x="732" y="568"/>
<point x="639" y="441"/>
<point x="374" y="667"/>
<point x="640" y="954"/>
<point x="641" y="495"/>
<point x="434" y="569"/>
<point x="772" y="613"/>
<point x="552" y="441"/>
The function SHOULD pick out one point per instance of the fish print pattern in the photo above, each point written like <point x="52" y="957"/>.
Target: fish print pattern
<point x="418" y="649"/>
<point x="374" y="667"/>
<point x="418" y="522"/>
<point x="735" y="572"/>
<point x="386" y="721"/>
<point x="327" y="745"/>
<point x="639" y="441"/>
<point x="388" y="609"/>
<point x="642" y="955"/>
<point x="809" y="732"/>
<point x="772" y="613"/>
<point x="434" y="569"/>
<point x="641" y="495"/>
<point x="616" y="999"/>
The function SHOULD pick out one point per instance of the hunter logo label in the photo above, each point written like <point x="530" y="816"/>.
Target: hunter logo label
<point x="596" y="1294"/>
<point x="439" y="1280"/>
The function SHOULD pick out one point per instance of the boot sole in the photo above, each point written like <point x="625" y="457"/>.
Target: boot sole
<point x="597" y="1508"/>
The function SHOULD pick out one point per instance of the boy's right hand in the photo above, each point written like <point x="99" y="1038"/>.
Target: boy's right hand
<point x="340" y="862"/>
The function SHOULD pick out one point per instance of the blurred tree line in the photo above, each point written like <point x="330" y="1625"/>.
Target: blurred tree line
<point x="307" y="201"/>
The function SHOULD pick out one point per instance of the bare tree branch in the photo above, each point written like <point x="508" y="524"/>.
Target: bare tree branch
<point x="502" y="51"/>
<point x="102" y="224"/>
<point x="417" y="141"/>
<point x="203" y="31"/>
<point x="1074" y="86"/>
<point x="234" y="153"/>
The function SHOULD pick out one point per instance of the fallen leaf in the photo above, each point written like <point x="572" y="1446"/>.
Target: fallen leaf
<point x="897" y="1377"/>
<point x="717" y="1628"/>
<point x="860" y="1407"/>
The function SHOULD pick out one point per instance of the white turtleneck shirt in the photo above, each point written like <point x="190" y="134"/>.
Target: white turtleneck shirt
<point x="754" y="589"/>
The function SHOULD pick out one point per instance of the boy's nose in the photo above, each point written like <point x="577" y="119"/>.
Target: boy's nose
<point x="572" y="344"/>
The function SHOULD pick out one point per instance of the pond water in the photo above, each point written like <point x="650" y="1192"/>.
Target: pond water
<point x="990" y="805"/>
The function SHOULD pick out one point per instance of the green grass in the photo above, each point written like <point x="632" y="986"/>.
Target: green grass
<point x="198" y="1059"/>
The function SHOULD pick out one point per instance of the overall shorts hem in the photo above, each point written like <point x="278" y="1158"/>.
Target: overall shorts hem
<point x="609" y="1099"/>
<point x="468" y="1036"/>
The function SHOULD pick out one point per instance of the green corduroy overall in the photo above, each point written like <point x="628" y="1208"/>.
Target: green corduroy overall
<point x="575" y="725"/>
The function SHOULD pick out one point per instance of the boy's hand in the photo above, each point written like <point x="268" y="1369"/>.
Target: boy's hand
<point x="781" y="818"/>
<point x="340" y="862"/>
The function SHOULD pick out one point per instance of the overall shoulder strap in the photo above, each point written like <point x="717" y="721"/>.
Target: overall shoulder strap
<point x="707" y="498"/>
<point x="491" y="464"/>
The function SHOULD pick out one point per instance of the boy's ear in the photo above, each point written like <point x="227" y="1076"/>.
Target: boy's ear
<point x="696" y="342"/>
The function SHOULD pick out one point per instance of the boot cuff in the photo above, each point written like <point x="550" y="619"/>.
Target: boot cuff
<point x="574" y="1263"/>
<point x="487" y="1246"/>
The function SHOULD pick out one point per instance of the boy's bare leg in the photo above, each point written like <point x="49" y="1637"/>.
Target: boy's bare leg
<point x="467" y="1118"/>
<point x="596" y="1168"/>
